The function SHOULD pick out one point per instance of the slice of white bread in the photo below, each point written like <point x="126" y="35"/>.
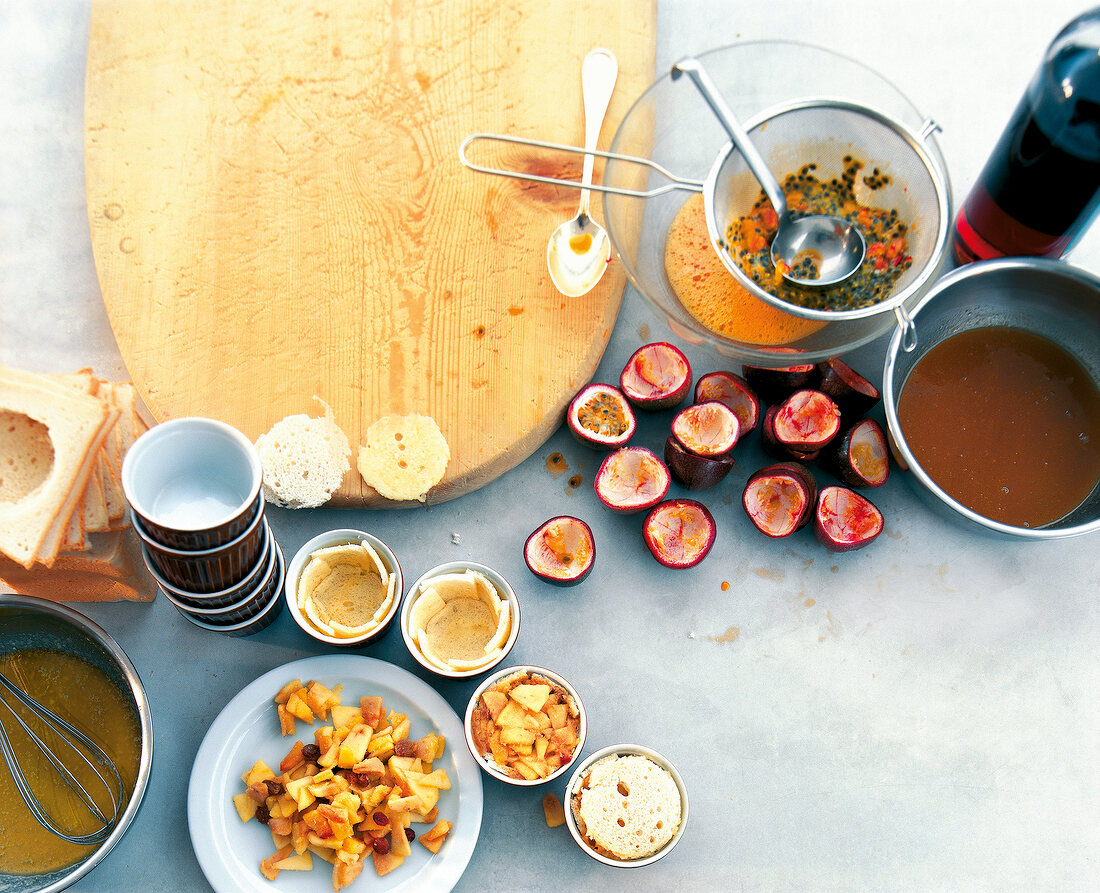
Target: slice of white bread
<point x="46" y="423"/>
<point x="304" y="459"/>
<point x="404" y="456"/>
<point x="629" y="806"/>
<point x="93" y="503"/>
<point x="55" y="537"/>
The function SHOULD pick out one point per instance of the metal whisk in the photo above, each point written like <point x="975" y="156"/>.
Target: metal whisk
<point x="90" y="754"/>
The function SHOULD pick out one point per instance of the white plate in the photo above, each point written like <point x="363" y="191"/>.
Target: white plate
<point x="230" y="850"/>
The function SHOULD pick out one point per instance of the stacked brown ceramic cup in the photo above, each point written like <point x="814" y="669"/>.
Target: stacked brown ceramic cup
<point x="193" y="485"/>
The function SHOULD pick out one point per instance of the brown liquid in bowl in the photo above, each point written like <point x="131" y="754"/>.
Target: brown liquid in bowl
<point x="1006" y="422"/>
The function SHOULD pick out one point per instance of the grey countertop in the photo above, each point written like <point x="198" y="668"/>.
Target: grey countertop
<point x="918" y="715"/>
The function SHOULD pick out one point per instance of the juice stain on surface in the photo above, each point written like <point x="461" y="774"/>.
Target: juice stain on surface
<point x="709" y="292"/>
<point x="556" y="464"/>
<point x="575" y="481"/>
<point x="83" y="695"/>
<point x="732" y="634"/>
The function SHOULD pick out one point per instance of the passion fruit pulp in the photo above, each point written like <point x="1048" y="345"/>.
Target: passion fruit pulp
<point x="600" y="416"/>
<point x="561" y="551"/>
<point x="632" y="479"/>
<point x="679" y="532"/>
<point x="657" y="376"/>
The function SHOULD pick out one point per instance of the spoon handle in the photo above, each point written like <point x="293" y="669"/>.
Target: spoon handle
<point x="598" y="75"/>
<point x="694" y="70"/>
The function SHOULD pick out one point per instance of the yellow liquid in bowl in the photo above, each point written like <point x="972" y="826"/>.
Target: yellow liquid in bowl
<point x="86" y="697"/>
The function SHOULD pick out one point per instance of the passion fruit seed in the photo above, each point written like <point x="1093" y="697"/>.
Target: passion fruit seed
<point x="561" y="551"/>
<point x="600" y="415"/>
<point x="679" y="532"/>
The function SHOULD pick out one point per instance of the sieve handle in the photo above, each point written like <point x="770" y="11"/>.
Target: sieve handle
<point x="693" y="68"/>
<point x="675" y="182"/>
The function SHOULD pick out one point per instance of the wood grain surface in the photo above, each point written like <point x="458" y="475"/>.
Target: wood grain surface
<point x="278" y="211"/>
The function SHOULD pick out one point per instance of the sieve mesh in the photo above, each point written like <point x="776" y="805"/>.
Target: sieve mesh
<point x="824" y="133"/>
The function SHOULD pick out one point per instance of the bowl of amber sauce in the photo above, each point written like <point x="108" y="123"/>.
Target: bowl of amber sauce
<point x="72" y="666"/>
<point x="996" y="411"/>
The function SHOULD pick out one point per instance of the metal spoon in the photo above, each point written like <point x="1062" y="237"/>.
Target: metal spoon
<point x="579" y="249"/>
<point x="835" y="245"/>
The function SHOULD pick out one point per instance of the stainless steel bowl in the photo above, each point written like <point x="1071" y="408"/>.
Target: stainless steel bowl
<point x="1047" y="297"/>
<point x="27" y="622"/>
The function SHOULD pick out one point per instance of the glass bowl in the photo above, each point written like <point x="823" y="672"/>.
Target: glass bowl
<point x="671" y="125"/>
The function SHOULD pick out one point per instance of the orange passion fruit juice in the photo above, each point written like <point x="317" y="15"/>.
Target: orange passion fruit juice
<point x="712" y="296"/>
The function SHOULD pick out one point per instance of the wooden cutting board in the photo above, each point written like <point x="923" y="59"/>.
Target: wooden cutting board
<point x="278" y="211"/>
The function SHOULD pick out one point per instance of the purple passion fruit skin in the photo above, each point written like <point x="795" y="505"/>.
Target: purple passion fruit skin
<point x="679" y="532"/>
<point x="632" y="479"/>
<point x="776" y="385"/>
<point x="777" y="500"/>
<point x="657" y="376"/>
<point x="860" y="457"/>
<point x="735" y="392"/>
<point x="853" y="393"/>
<point x="844" y="520"/>
<point x="694" y="472"/>
<point x="561" y="551"/>
<point x="600" y="416"/>
<point x="708" y="429"/>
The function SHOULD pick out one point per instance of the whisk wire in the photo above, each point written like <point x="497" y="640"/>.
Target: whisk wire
<point x="101" y="761"/>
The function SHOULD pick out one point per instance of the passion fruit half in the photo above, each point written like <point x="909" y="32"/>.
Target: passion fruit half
<point x="707" y="429"/>
<point x="844" y="520"/>
<point x="679" y="532"/>
<point x="776" y="385"/>
<point x="600" y="416"/>
<point x="853" y="393"/>
<point x="657" y="376"/>
<point x="860" y="457"/>
<point x="806" y="421"/>
<point x="779" y="499"/>
<point x="632" y="479"/>
<point x="734" y="391"/>
<point x="561" y="551"/>
<point x="692" y="471"/>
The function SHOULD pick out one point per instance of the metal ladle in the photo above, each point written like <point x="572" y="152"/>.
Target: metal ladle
<point x="579" y="250"/>
<point x="836" y="245"/>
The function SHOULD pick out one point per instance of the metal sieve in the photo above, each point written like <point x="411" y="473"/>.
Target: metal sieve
<point x="824" y="132"/>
